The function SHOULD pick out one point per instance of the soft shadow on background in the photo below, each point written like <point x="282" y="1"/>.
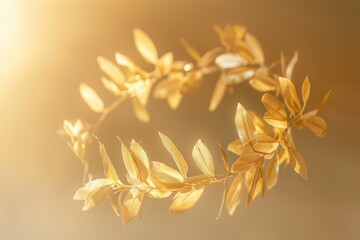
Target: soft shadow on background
<point x="48" y="47"/>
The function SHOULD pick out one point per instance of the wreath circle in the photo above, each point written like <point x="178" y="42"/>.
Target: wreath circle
<point x="264" y="143"/>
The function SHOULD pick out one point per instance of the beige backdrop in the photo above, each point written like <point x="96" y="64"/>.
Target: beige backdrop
<point x="49" y="47"/>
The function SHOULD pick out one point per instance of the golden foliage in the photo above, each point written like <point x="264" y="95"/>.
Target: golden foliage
<point x="263" y="143"/>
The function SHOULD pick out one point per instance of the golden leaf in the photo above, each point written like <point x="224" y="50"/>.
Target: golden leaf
<point x="305" y="90"/>
<point x="274" y="107"/>
<point x="165" y="177"/>
<point x="325" y="100"/>
<point x="140" y="110"/>
<point x="168" y="86"/>
<point x="174" y="100"/>
<point x="203" y="158"/>
<point x="209" y="57"/>
<point x="145" y="46"/>
<point x="289" y="92"/>
<point x="156" y="193"/>
<point x="272" y="171"/>
<point x="290" y="67"/>
<point x="230" y="61"/>
<point x="239" y="75"/>
<point x="129" y="162"/>
<point x="317" y="125"/>
<point x="274" y="121"/>
<point x="165" y="63"/>
<point x="224" y="158"/>
<point x="175" y="154"/>
<point x="143" y="92"/>
<point x="141" y="159"/>
<point x="82" y="193"/>
<point x="238" y="147"/>
<point x="265" y="144"/>
<point x="109" y="169"/>
<point x="263" y="83"/>
<point x="73" y="130"/>
<point x="245" y="162"/>
<point x="245" y="127"/>
<point x="190" y="50"/>
<point x="131" y="206"/>
<point x="91" y="98"/>
<point x="110" y="86"/>
<point x="219" y="93"/>
<point x="257" y="185"/>
<point x="234" y="194"/>
<point x="125" y="61"/>
<point x="116" y="202"/>
<point x="260" y="125"/>
<point x="255" y="48"/>
<point x="297" y="162"/>
<point x="199" y="181"/>
<point x="231" y="36"/>
<point x="111" y="70"/>
<point x="184" y="201"/>
<point x="97" y="196"/>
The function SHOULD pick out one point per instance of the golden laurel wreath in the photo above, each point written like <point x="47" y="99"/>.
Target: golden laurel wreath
<point x="264" y="144"/>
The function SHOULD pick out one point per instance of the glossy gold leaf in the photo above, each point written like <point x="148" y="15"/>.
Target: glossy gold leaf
<point x="82" y="193"/>
<point x="174" y="100"/>
<point x="272" y="172"/>
<point x="165" y="177"/>
<point x="199" y="181"/>
<point x="145" y="46"/>
<point x="91" y="98"/>
<point x="129" y="162"/>
<point x="317" y="125"/>
<point x="289" y="92"/>
<point x="175" y="154"/>
<point x="238" y="147"/>
<point x="116" y="203"/>
<point x="224" y="159"/>
<point x="219" y="92"/>
<point x="290" y="67"/>
<point x="263" y="83"/>
<point x="111" y="70"/>
<point x="168" y="86"/>
<point x="110" y="86"/>
<point x="246" y="161"/>
<point x="230" y="61"/>
<point x="245" y="127"/>
<point x="190" y="50"/>
<point x="274" y="107"/>
<point x="125" y="61"/>
<point x="324" y="100"/>
<point x="141" y="159"/>
<point x="203" y="158"/>
<point x="275" y="122"/>
<point x="260" y="125"/>
<point x="257" y="185"/>
<point x="265" y="144"/>
<point x="305" y="90"/>
<point x="297" y="162"/>
<point x="131" y="206"/>
<point x="109" y="169"/>
<point x="184" y="201"/>
<point x="234" y="194"/>
<point x="165" y="63"/>
<point x="209" y="57"/>
<point x="140" y="110"/>
<point x="255" y="48"/>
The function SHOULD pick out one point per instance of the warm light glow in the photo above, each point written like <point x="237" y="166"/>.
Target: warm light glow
<point x="10" y="29"/>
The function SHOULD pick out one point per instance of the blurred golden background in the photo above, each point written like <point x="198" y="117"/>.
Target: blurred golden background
<point x="47" y="48"/>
